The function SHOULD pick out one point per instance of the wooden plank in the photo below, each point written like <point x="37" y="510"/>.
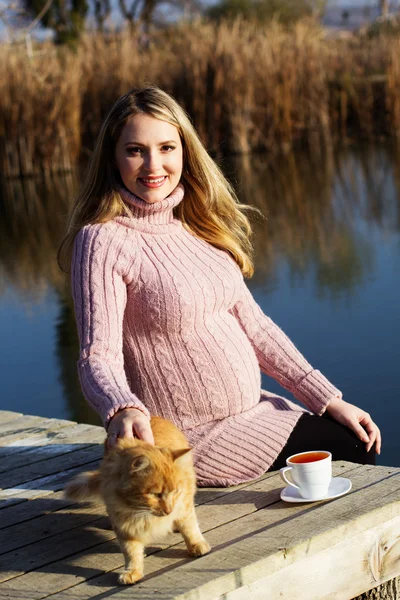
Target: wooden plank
<point x="213" y="514"/>
<point x="242" y="555"/>
<point x="23" y="475"/>
<point x="24" y="511"/>
<point x="8" y="415"/>
<point x="264" y="537"/>
<point x="18" y="430"/>
<point x="52" y="519"/>
<point x="40" y="487"/>
<point x="22" y="423"/>
<point x="351" y="567"/>
<point x="36" y="449"/>
<point x="208" y="494"/>
<point x="50" y="524"/>
<point x="41" y="554"/>
<point x="64" y="574"/>
<point x="25" y="423"/>
<point x="233" y="515"/>
<point x="43" y="551"/>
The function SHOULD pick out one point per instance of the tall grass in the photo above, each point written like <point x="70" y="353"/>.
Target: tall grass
<point x="40" y="116"/>
<point x="247" y="88"/>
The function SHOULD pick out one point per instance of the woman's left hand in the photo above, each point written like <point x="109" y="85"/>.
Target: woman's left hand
<point x="358" y="420"/>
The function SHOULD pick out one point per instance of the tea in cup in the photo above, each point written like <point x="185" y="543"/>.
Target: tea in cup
<point x="310" y="473"/>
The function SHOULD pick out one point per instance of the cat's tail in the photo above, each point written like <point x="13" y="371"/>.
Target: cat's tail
<point x="85" y="486"/>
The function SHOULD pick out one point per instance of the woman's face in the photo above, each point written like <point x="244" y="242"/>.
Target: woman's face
<point x="149" y="157"/>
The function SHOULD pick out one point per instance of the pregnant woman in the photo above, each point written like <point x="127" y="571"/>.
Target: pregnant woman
<point x="158" y="246"/>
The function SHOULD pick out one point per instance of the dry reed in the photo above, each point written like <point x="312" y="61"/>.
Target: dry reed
<point x="247" y="88"/>
<point x="39" y="111"/>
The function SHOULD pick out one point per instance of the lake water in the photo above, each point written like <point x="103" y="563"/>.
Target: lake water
<point x="327" y="271"/>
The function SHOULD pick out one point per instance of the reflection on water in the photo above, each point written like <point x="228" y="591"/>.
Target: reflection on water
<point x="67" y="353"/>
<point x="32" y="217"/>
<point x="314" y="210"/>
<point x="331" y="235"/>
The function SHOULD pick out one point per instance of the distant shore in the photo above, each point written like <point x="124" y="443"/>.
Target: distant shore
<point x="352" y="17"/>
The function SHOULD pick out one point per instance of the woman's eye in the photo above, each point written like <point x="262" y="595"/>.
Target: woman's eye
<point x="168" y="148"/>
<point x="135" y="150"/>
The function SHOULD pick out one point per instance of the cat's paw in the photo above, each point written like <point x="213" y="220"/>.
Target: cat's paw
<point x="199" y="549"/>
<point x="129" y="577"/>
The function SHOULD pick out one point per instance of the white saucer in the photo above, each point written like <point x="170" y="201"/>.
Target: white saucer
<point x="337" y="487"/>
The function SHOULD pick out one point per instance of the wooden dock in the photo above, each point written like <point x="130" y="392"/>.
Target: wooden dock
<point x="263" y="548"/>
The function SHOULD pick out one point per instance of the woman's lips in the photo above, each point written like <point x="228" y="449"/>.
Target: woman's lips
<point x="152" y="182"/>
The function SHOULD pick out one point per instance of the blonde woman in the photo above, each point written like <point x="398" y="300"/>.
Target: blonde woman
<point x="158" y="245"/>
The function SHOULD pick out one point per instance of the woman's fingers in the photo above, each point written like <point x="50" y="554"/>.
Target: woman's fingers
<point x="126" y="428"/>
<point x="111" y="439"/>
<point x="378" y="440"/>
<point x="120" y="426"/>
<point x="143" y="430"/>
<point x="129" y="423"/>
<point x="374" y="434"/>
<point x="360" y="431"/>
<point x="358" y="420"/>
<point x="372" y="440"/>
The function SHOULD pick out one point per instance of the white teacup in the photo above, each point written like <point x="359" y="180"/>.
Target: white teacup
<point x="310" y="473"/>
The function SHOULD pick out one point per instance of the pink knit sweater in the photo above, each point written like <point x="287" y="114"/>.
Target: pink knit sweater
<point x="167" y="325"/>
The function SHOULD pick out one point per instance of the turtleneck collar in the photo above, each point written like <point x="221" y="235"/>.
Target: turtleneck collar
<point x="149" y="217"/>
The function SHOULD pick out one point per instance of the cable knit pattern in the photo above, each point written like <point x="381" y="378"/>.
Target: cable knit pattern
<point x="167" y="325"/>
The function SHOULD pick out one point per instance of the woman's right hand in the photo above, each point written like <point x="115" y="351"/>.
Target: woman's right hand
<point x="129" y="423"/>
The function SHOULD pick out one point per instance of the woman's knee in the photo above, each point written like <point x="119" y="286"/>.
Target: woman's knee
<point x="324" y="433"/>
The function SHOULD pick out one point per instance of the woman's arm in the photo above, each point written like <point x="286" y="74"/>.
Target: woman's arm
<point x="99" y="267"/>
<point x="279" y="358"/>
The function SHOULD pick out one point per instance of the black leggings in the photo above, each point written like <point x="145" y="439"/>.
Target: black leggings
<point x="324" y="433"/>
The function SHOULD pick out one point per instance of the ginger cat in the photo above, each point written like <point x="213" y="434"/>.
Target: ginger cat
<point x="148" y="492"/>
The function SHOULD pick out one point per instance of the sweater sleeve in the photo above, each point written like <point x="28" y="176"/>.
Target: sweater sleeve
<point x="280" y="359"/>
<point x="99" y="264"/>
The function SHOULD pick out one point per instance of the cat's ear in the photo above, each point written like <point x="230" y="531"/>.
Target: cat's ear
<point x="176" y="454"/>
<point x="139" y="463"/>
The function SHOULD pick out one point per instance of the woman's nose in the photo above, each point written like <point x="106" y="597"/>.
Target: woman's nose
<point x="152" y="161"/>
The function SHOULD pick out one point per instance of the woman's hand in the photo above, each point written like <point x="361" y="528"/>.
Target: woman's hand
<point x="358" y="420"/>
<point x="129" y="423"/>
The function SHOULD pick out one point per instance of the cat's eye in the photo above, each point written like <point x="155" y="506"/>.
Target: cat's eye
<point x="158" y="494"/>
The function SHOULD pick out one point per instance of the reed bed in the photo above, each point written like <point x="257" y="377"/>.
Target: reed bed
<point x="40" y="117"/>
<point x="246" y="88"/>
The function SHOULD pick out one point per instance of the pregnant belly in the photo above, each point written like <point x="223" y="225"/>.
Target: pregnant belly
<point x="200" y="376"/>
<point x="227" y="366"/>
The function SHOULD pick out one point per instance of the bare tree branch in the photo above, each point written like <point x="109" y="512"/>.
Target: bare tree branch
<point x="39" y="16"/>
<point x="384" y="8"/>
<point x="15" y="10"/>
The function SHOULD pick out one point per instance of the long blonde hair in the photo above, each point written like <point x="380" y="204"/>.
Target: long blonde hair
<point x="211" y="209"/>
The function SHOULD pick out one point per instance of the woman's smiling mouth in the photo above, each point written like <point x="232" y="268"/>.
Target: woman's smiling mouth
<point x="152" y="182"/>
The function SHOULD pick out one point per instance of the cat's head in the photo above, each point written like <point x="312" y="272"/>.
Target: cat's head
<point x="143" y="477"/>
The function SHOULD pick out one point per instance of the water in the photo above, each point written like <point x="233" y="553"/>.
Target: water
<point x="327" y="265"/>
